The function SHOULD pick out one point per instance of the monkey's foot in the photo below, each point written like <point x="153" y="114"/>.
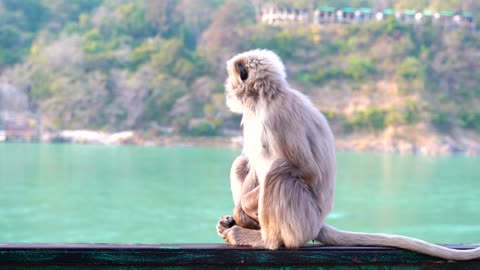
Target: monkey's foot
<point x="239" y="236"/>
<point x="230" y="235"/>
<point x="224" y="223"/>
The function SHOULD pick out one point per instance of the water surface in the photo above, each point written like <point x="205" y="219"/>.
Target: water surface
<point x="88" y="193"/>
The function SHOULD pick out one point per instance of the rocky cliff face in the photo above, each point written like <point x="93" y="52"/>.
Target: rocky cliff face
<point x="13" y="103"/>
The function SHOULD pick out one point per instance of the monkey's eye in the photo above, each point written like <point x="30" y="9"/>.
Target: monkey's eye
<point x="242" y="71"/>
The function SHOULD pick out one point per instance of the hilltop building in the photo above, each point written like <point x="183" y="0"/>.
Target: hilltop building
<point x="274" y="15"/>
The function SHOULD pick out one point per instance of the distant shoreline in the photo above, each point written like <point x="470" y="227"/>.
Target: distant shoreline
<point x="363" y="143"/>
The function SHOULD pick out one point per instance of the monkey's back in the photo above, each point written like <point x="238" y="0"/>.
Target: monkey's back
<point x="301" y="134"/>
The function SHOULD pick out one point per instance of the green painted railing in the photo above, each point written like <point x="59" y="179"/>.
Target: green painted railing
<point x="194" y="256"/>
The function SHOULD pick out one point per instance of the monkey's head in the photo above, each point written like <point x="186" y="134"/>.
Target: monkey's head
<point x="253" y="77"/>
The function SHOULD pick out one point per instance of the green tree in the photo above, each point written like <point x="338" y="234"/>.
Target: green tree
<point x="441" y="121"/>
<point x="19" y="21"/>
<point x="469" y="120"/>
<point x="204" y="128"/>
<point x="359" y="67"/>
<point x="165" y="91"/>
<point x="411" y="68"/>
<point x="144" y="52"/>
<point x="372" y="119"/>
<point x="132" y="22"/>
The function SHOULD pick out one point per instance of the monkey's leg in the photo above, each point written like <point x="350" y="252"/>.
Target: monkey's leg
<point x="238" y="174"/>
<point x="287" y="209"/>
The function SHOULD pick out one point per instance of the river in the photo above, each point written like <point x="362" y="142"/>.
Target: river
<point x="127" y="194"/>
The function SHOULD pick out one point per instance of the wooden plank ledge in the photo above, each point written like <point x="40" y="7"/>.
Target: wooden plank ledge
<point x="146" y="256"/>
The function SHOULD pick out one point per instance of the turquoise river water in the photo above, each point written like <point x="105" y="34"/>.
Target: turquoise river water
<point x="99" y="194"/>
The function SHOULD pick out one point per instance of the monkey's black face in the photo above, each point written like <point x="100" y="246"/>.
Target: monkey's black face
<point x="236" y="84"/>
<point x="242" y="71"/>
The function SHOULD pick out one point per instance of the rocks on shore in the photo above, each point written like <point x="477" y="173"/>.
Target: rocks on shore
<point x="389" y="141"/>
<point x="92" y="137"/>
<point x="424" y="142"/>
<point x="135" y="138"/>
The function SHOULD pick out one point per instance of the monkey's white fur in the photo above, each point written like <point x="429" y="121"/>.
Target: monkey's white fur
<point x="283" y="183"/>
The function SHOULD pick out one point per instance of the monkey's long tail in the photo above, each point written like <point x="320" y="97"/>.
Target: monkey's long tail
<point x="332" y="236"/>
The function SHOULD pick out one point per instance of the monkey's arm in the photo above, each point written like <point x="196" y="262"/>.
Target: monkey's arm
<point x="245" y="213"/>
<point x="245" y="193"/>
<point x="249" y="203"/>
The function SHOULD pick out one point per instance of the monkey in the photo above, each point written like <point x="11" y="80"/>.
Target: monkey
<point x="283" y="183"/>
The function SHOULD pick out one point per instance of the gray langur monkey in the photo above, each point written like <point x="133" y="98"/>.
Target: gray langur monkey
<point x="283" y="183"/>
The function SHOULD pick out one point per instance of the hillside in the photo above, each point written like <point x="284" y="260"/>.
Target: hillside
<point x="157" y="67"/>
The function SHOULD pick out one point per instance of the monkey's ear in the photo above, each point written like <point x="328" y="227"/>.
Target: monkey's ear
<point x="242" y="70"/>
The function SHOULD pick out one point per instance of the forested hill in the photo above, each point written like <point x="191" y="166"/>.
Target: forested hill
<point x="158" y="65"/>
